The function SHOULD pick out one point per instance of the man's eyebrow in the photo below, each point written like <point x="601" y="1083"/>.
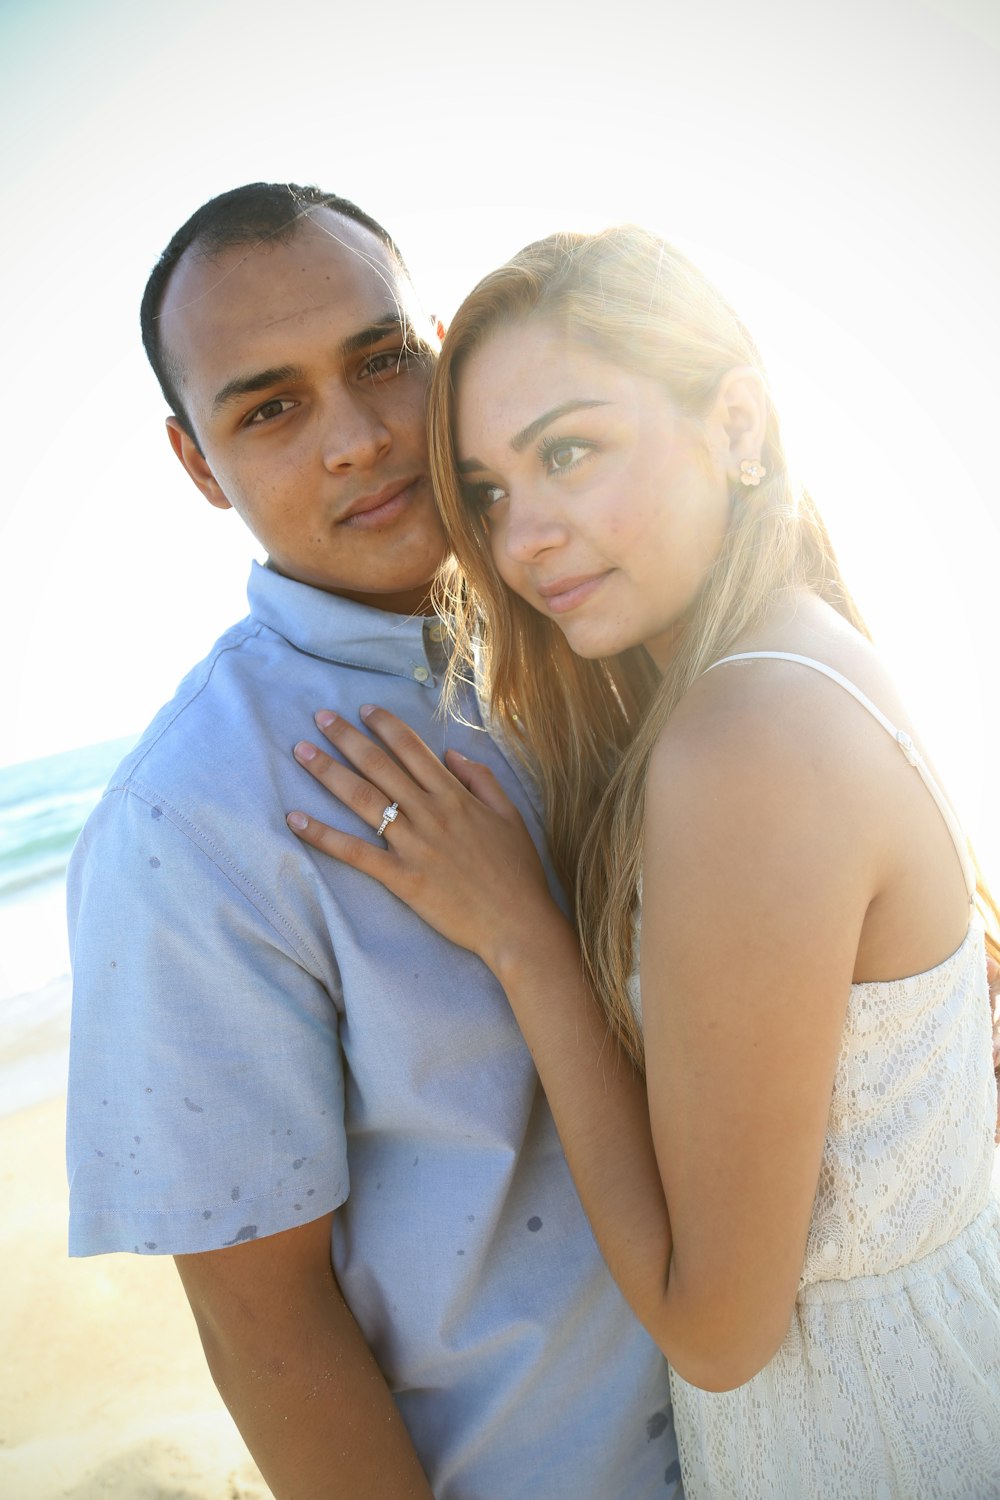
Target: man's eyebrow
<point x="391" y="324"/>
<point x="247" y="385"/>
<point x="521" y="439"/>
<point x="366" y="338"/>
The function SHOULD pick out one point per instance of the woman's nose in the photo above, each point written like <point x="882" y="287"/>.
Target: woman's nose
<point x="530" y="529"/>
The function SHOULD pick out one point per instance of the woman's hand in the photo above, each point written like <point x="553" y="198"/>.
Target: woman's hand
<point x="456" y="851"/>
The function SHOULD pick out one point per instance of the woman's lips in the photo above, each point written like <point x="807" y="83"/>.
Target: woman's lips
<point x="567" y="593"/>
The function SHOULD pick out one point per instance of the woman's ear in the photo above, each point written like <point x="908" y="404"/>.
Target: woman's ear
<point x="191" y="456"/>
<point x="739" y="413"/>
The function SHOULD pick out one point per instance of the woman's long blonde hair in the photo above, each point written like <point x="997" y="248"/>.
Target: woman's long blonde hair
<point x="585" y="728"/>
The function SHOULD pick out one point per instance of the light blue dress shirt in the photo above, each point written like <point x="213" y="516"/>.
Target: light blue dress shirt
<point x="261" y="1035"/>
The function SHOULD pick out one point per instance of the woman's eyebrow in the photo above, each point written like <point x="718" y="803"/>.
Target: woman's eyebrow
<point x="521" y="439"/>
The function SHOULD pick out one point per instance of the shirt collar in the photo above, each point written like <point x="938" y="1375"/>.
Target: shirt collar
<point x="340" y="630"/>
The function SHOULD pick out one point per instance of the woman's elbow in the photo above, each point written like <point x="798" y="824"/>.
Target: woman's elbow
<point x="719" y="1374"/>
<point x="721" y="1358"/>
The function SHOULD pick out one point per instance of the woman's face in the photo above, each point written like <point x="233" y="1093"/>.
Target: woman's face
<point x="605" y="506"/>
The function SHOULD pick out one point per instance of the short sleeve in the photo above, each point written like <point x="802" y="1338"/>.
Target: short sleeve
<point x="206" y="1088"/>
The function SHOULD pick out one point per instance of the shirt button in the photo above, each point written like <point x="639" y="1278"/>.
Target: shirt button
<point x="437" y="632"/>
<point x="421" y="674"/>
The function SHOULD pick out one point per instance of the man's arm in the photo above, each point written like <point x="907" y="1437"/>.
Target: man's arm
<point x="295" y="1372"/>
<point x="206" y="1077"/>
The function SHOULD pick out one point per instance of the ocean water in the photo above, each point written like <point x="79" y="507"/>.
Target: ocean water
<point x="43" y="805"/>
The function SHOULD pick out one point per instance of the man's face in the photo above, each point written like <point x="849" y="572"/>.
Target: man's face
<point x="304" y="367"/>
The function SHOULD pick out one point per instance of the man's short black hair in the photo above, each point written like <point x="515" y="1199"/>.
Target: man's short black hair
<point x="244" y="216"/>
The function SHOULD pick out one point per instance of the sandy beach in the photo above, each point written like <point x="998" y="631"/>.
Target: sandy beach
<point x="104" y="1393"/>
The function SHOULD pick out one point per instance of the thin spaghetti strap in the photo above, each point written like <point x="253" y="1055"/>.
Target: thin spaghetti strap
<point x="901" y="737"/>
<point x="819" y="666"/>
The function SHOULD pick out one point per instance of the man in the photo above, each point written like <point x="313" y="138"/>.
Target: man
<point x="270" y="1056"/>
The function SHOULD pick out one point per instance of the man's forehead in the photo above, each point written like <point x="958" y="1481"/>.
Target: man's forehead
<point x="322" y="243"/>
<point x="329" y="268"/>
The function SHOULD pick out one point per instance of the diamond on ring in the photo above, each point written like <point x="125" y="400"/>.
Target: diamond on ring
<point x="389" y="816"/>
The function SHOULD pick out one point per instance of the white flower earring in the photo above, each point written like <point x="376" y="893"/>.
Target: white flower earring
<point x="752" y="471"/>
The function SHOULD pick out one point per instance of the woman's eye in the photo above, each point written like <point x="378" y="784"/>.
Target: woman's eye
<point x="269" y="411"/>
<point x="481" y="498"/>
<point x="559" y="455"/>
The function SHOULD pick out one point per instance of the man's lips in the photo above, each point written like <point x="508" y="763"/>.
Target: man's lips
<point x="380" y="506"/>
<point x="566" y="593"/>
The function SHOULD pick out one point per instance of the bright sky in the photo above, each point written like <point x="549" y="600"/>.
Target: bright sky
<point x="831" y="162"/>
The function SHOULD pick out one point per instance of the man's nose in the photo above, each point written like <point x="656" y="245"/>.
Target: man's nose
<point x="355" y="433"/>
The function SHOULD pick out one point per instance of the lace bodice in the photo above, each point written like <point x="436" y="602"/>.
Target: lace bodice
<point x="908" y="1155"/>
<point x="909" y="1150"/>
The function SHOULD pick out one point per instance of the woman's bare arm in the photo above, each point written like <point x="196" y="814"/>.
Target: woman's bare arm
<point x="748" y="942"/>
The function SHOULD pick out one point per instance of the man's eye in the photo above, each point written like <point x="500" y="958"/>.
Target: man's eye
<point x="269" y="411"/>
<point x="388" y="362"/>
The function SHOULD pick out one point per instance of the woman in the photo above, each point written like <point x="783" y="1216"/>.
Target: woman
<point x="775" y="904"/>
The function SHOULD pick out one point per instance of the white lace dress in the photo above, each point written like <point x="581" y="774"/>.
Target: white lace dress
<point x="887" y="1385"/>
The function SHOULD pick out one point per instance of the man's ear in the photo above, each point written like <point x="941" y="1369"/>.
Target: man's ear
<point x="193" y="459"/>
<point x="740" y="410"/>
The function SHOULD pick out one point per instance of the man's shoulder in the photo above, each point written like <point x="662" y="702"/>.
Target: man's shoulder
<point x="245" y="698"/>
<point x="219" y="751"/>
<point x="203" y="694"/>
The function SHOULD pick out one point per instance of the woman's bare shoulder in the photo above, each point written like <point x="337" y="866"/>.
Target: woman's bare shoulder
<point x="780" y="727"/>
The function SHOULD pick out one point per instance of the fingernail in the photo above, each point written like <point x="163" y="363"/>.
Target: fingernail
<point x="458" y="755"/>
<point x="366" y="709"/>
<point x="325" y="718"/>
<point x="305" y="751"/>
<point x="297" y="820"/>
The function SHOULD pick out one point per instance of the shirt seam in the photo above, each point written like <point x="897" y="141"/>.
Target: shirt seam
<point x="249" y="634"/>
<point x="230" y="871"/>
